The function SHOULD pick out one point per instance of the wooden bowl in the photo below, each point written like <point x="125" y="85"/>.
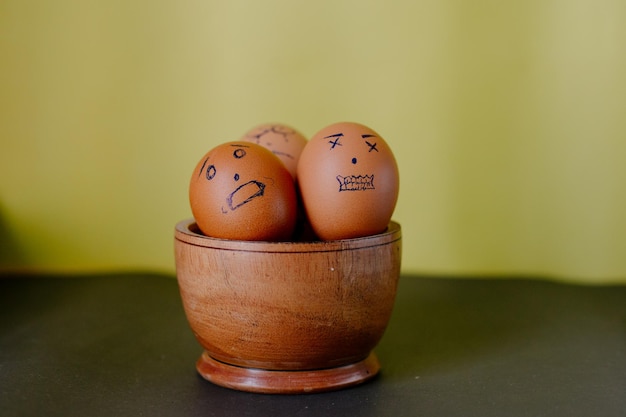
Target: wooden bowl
<point x="287" y="317"/>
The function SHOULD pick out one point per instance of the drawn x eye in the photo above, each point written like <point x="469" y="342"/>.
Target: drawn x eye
<point x="335" y="140"/>
<point x="370" y="144"/>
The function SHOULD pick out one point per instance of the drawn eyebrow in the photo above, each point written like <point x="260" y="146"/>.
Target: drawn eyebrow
<point x="368" y="136"/>
<point x="203" y="165"/>
<point x="336" y="135"/>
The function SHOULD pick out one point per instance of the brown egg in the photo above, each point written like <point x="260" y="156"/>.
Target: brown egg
<point x="284" y="141"/>
<point x="242" y="191"/>
<point x="349" y="181"/>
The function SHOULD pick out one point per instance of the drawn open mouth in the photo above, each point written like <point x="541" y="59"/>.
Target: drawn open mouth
<point x="356" y="182"/>
<point x="245" y="193"/>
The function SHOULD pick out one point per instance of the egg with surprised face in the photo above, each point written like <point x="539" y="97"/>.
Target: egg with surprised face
<point x="349" y="181"/>
<point x="242" y="191"/>
<point x="284" y="141"/>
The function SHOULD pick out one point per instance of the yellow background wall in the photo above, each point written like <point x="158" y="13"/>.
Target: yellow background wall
<point x="506" y="118"/>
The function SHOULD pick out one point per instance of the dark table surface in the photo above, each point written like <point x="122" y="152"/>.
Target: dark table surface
<point x="119" y="345"/>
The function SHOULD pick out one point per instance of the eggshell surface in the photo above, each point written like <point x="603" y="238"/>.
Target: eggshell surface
<point x="349" y="181"/>
<point x="242" y="191"/>
<point x="283" y="140"/>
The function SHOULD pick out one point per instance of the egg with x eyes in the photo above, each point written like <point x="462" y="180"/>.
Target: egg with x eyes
<point x="242" y="191"/>
<point x="348" y="180"/>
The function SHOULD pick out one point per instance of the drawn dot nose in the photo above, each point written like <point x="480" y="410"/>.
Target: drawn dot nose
<point x="236" y="177"/>
<point x="354" y="160"/>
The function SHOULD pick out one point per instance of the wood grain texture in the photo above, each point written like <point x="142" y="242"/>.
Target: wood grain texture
<point x="296" y="306"/>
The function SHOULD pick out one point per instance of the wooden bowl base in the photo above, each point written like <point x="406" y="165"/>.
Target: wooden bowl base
<point x="286" y="382"/>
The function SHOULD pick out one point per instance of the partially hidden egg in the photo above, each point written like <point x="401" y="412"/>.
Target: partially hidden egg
<point x="283" y="140"/>
<point x="349" y="181"/>
<point x="242" y="191"/>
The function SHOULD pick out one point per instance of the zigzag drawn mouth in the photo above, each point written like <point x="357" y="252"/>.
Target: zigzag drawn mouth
<point x="356" y="182"/>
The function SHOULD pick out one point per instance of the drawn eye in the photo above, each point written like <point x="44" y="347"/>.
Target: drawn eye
<point x="283" y="131"/>
<point x="239" y="153"/>
<point x="370" y="144"/>
<point x="354" y="161"/>
<point x="210" y="172"/>
<point x="335" y="140"/>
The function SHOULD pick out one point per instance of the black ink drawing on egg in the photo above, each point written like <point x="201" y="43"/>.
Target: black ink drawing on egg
<point x="202" y="168"/>
<point x="337" y="140"/>
<point x="244" y="194"/>
<point x="277" y="129"/>
<point x="285" y="154"/>
<point x="371" y="145"/>
<point x="356" y="182"/>
<point x="240" y="152"/>
<point x="210" y="172"/>
<point x="283" y="131"/>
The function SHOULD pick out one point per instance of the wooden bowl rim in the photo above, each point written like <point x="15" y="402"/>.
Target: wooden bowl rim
<point x="187" y="231"/>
